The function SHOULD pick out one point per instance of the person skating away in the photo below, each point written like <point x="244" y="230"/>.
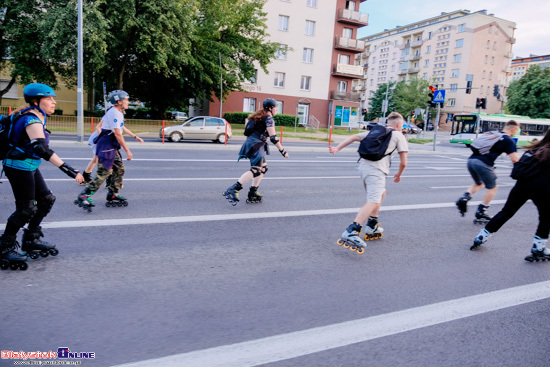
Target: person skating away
<point x="110" y="165"/>
<point x="482" y="170"/>
<point x="259" y="128"/>
<point x="535" y="186"/>
<point x="373" y="174"/>
<point x="29" y="142"/>
<point x="93" y="162"/>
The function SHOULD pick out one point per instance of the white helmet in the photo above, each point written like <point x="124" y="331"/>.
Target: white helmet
<point x="117" y="95"/>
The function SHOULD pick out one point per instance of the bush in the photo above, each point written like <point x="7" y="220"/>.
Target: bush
<point x="285" y="120"/>
<point x="236" y="117"/>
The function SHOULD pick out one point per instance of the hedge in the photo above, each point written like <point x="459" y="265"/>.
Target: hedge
<point x="240" y="118"/>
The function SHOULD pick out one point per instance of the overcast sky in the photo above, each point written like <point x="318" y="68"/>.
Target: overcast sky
<point x="531" y="17"/>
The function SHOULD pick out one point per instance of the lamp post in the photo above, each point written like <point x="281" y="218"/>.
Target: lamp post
<point x="79" y="83"/>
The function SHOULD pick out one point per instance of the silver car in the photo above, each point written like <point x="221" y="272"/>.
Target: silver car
<point x="198" y="128"/>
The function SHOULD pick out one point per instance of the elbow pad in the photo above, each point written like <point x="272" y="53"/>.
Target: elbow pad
<point x="41" y="148"/>
<point x="273" y="139"/>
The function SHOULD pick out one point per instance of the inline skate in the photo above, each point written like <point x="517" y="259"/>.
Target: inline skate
<point x="351" y="239"/>
<point x="232" y="193"/>
<point x="480" y="239"/>
<point x="114" y="199"/>
<point x="253" y="195"/>
<point x="539" y="252"/>
<point x="9" y="256"/>
<point x="84" y="200"/>
<point x="462" y="203"/>
<point x="34" y="246"/>
<point x="373" y="231"/>
<point x="481" y="214"/>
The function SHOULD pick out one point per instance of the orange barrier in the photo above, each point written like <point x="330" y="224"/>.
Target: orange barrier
<point x="162" y="131"/>
<point x="281" y="134"/>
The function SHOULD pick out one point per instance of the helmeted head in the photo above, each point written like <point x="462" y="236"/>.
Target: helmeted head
<point x="35" y="91"/>
<point x="269" y="103"/>
<point x="117" y="95"/>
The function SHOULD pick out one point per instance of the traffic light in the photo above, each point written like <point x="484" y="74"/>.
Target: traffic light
<point x="481" y="103"/>
<point x="412" y="113"/>
<point x="431" y="96"/>
<point x="364" y="110"/>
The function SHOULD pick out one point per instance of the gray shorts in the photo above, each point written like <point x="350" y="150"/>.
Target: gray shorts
<point x="374" y="182"/>
<point x="482" y="173"/>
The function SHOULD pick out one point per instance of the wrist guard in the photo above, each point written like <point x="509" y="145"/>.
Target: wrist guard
<point x="68" y="170"/>
<point x="273" y="139"/>
<point x="41" y="148"/>
<point x="283" y="152"/>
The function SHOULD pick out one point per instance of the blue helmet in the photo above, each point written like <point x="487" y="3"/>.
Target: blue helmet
<point x="37" y="90"/>
<point x="269" y="103"/>
<point x="117" y="95"/>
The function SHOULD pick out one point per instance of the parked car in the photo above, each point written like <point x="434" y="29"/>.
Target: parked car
<point x="199" y="128"/>
<point x="179" y="116"/>
<point x="429" y="127"/>
<point x="410" y="128"/>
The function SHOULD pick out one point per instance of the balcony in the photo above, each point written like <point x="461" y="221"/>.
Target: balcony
<point x="417" y="43"/>
<point x="349" y="44"/>
<point x="344" y="96"/>
<point x="509" y="55"/>
<point x="413" y="70"/>
<point x="348" y="71"/>
<point x="402" y="72"/>
<point x="404" y="45"/>
<point x="511" y="40"/>
<point x="353" y="17"/>
<point x="415" y="57"/>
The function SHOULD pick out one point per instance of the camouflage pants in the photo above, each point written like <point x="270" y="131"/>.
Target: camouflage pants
<point x="114" y="176"/>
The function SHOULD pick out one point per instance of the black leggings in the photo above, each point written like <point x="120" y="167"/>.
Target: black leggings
<point x="536" y="189"/>
<point x="29" y="188"/>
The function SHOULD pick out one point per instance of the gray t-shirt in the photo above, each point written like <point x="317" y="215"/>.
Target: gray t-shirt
<point x="397" y="141"/>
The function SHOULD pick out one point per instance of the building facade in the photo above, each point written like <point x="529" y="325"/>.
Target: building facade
<point x="312" y="75"/>
<point x="454" y="52"/>
<point x="521" y="65"/>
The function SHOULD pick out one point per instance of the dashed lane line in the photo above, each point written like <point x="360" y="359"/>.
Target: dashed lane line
<point x="304" y="342"/>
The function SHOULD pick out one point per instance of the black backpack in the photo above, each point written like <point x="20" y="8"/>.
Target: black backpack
<point x="374" y="146"/>
<point x="6" y="123"/>
<point x="250" y="127"/>
<point x="527" y="166"/>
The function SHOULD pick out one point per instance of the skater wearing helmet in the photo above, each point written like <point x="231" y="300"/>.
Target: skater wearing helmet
<point x="481" y="168"/>
<point x="110" y="166"/>
<point x="374" y="168"/>
<point x="29" y="144"/>
<point x="259" y="128"/>
<point x="533" y="175"/>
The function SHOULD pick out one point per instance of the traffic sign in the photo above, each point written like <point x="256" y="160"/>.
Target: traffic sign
<point x="439" y="96"/>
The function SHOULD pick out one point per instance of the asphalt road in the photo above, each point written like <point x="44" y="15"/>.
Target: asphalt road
<point x="181" y="274"/>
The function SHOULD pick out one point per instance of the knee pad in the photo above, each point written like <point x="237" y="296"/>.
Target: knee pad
<point x="45" y="203"/>
<point x="24" y="211"/>
<point x="264" y="170"/>
<point x="255" y="171"/>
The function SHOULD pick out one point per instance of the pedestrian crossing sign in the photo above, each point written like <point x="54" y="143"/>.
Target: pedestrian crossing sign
<point x="439" y="96"/>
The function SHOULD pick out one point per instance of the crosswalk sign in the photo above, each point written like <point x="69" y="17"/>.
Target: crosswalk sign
<point x="439" y="96"/>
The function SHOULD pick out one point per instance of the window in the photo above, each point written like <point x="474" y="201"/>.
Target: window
<point x="249" y="105"/>
<point x="455" y="73"/>
<point x="307" y="55"/>
<point x="485" y="59"/>
<point x="305" y="83"/>
<point x="454" y="87"/>
<point x="426" y="63"/>
<point x="311" y="3"/>
<point x="212" y="121"/>
<point x="350" y="5"/>
<point x="451" y="102"/>
<point x="457" y="58"/>
<point x="279" y="107"/>
<point x="279" y="80"/>
<point x="429" y="35"/>
<point x="459" y="43"/>
<point x="347" y="33"/>
<point x="490" y="75"/>
<point x="344" y="59"/>
<point x="492" y="60"/>
<point x="310" y="27"/>
<point x="428" y="49"/>
<point x="253" y="79"/>
<point x="491" y="28"/>
<point x="283" y="23"/>
<point x="495" y="45"/>
<point x="280" y="54"/>
<point x="488" y="44"/>
<point x="342" y="86"/>
<point x="461" y="28"/>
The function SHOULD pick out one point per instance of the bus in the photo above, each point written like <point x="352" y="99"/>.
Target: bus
<point x="465" y="128"/>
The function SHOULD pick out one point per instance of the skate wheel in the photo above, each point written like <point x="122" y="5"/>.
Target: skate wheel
<point x="360" y="251"/>
<point x="54" y="252"/>
<point x="353" y="248"/>
<point x="248" y="201"/>
<point x="340" y="242"/>
<point x="125" y="203"/>
<point x="14" y="266"/>
<point x="23" y="266"/>
<point x="44" y="253"/>
<point x="108" y="204"/>
<point x="346" y="245"/>
<point x="4" y="265"/>
<point x="89" y="210"/>
<point x="33" y="255"/>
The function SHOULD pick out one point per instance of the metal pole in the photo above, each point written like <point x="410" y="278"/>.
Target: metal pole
<point x="436" y="123"/>
<point x="221" y="84"/>
<point x="79" y="86"/>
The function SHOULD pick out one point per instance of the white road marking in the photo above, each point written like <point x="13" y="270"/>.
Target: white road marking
<point x="239" y="216"/>
<point x="300" y="343"/>
<point x="465" y="186"/>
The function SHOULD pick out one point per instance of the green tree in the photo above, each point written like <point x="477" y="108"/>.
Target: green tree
<point x="530" y="95"/>
<point x="375" y="102"/>
<point x="410" y="95"/>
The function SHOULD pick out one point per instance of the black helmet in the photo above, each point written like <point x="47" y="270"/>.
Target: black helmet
<point x="269" y="103"/>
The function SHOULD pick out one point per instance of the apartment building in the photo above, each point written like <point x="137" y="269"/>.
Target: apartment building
<point x="453" y="51"/>
<point x="520" y="65"/>
<point x="313" y="72"/>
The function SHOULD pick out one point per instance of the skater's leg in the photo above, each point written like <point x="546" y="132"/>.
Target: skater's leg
<point x="351" y="235"/>
<point x="517" y="197"/>
<point x="91" y="164"/>
<point x="481" y="238"/>
<point x="541" y="198"/>
<point x="488" y="196"/>
<point x="366" y="211"/>
<point x="44" y="200"/>
<point x="115" y="181"/>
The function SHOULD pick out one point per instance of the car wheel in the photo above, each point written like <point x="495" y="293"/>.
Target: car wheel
<point x="176" y="136"/>
<point x="221" y="139"/>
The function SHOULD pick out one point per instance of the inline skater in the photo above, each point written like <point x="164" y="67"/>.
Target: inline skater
<point x="29" y="141"/>
<point x="259" y="128"/>
<point x="481" y="168"/>
<point x="110" y="165"/>
<point x="534" y="186"/>
<point x="373" y="174"/>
